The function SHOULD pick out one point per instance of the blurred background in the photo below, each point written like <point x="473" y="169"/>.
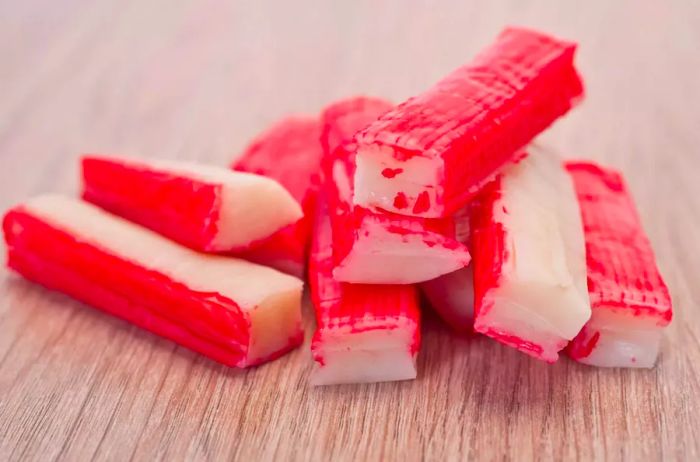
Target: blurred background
<point x="197" y="79"/>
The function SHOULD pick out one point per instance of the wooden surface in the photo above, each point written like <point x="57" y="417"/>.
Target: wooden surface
<point x="195" y="80"/>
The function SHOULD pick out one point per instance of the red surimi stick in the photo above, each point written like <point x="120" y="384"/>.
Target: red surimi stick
<point x="233" y="311"/>
<point x="370" y="247"/>
<point x="288" y="152"/>
<point x="365" y="333"/>
<point x="529" y="258"/>
<point x="431" y="154"/>
<point x="204" y="207"/>
<point x="630" y="302"/>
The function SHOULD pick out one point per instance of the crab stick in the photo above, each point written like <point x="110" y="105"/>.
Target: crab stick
<point x="630" y="302"/>
<point x="235" y="312"/>
<point x="431" y="154"/>
<point x="530" y="259"/>
<point x="365" y="333"/>
<point x="204" y="207"/>
<point x="371" y="247"/>
<point x="288" y="152"/>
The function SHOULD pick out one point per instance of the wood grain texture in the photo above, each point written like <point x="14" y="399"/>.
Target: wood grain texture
<point x="195" y="80"/>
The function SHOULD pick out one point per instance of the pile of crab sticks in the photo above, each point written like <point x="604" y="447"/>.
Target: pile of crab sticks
<point x="375" y="203"/>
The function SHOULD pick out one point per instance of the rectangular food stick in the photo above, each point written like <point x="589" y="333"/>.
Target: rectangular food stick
<point x="290" y="153"/>
<point x="207" y="208"/>
<point x="529" y="258"/>
<point x="630" y="302"/>
<point x="235" y="312"/>
<point x="365" y="333"/>
<point x="431" y="154"/>
<point x="371" y="247"/>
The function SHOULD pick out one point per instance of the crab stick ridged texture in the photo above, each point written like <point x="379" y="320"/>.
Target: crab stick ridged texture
<point x="431" y="154"/>
<point x="235" y="312"/>
<point x="452" y="295"/>
<point x="529" y="258"/>
<point x="365" y="333"/>
<point x="290" y="153"/>
<point x="207" y="208"/>
<point x="630" y="302"/>
<point x="371" y="247"/>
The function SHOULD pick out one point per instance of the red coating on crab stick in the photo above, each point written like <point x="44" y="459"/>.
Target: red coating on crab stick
<point x="488" y="238"/>
<point x="159" y="200"/>
<point x="207" y="208"/>
<point x="582" y="346"/>
<point x="289" y="152"/>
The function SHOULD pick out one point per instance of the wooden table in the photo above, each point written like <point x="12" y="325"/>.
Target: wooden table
<point x="197" y="79"/>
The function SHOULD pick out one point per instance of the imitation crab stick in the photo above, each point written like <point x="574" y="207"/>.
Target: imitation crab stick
<point x="430" y="155"/>
<point x="233" y="311"/>
<point x="370" y="247"/>
<point x="630" y="302"/>
<point x="365" y="333"/>
<point x="203" y="207"/>
<point x="452" y="295"/>
<point x="530" y="258"/>
<point x="288" y="152"/>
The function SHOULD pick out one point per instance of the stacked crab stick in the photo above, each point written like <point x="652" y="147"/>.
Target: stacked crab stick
<point x="391" y="200"/>
<point x="371" y="247"/>
<point x="207" y="208"/>
<point x="288" y="152"/>
<point x="630" y="303"/>
<point x="431" y="154"/>
<point x="365" y="333"/>
<point x="235" y="312"/>
<point x="530" y="258"/>
<point x="452" y="295"/>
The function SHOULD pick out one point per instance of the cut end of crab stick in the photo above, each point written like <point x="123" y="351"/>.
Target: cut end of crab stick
<point x="630" y="302"/>
<point x="233" y="311"/>
<point x="529" y="258"/>
<point x="290" y="153"/>
<point x="370" y="247"/>
<point x="365" y="333"/>
<point x="431" y="154"/>
<point x="204" y="207"/>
